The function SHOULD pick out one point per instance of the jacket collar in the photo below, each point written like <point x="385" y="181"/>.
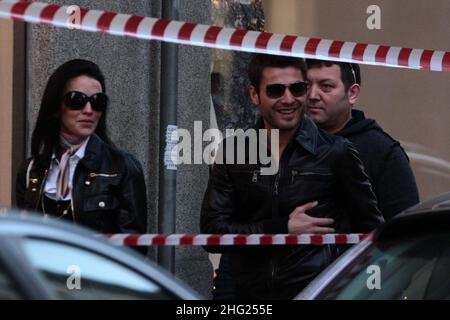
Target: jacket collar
<point x="306" y="135"/>
<point x="94" y="150"/>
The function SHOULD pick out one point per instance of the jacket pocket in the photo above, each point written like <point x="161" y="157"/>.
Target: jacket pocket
<point x="101" y="183"/>
<point x="102" y="202"/>
<point x="315" y="174"/>
<point x="307" y="185"/>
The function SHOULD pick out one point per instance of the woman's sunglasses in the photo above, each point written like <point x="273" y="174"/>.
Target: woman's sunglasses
<point x="76" y="100"/>
<point x="276" y="90"/>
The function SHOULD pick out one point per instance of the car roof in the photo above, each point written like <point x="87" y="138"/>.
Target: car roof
<point x="435" y="203"/>
<point x="433" y="214"/>
<point x="15" y="223"/>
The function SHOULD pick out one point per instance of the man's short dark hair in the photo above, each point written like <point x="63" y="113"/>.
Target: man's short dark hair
<point x="261" y="61"/>
<point x="350" y="72"/>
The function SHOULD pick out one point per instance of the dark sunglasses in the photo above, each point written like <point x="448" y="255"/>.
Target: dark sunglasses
<point x="76" y="100"/>
<point x="276" y="90"/>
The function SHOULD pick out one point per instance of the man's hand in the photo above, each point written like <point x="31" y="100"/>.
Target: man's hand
<point x="300" y="223"/>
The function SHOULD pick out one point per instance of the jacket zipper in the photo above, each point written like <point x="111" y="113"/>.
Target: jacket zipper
<point x="275" y="189"/>
<point x="283" y="162"/>
<point x="275" y="204"/>
<point x="255" y="176"/>
<point x="72" y="202"/>
<point x="296" y="173"/>
<point x="274" y="213"/>
<point x="314" y="174"/>
<point x="93" y="175"/>
<point x="272" y="277"/>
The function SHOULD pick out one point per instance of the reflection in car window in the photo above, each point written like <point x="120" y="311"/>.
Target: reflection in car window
<point x="79" y="274"/>
<point x="8" y="290"/>
<point x="409" y="269"/>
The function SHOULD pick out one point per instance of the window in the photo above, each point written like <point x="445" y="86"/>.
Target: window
<point x="74" y="273"/>
<point x="410" y="269"/>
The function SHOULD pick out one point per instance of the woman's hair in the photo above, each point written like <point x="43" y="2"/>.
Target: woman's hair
<point x="46" y="134"/>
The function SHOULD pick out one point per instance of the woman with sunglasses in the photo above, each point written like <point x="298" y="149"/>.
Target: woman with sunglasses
<point x="75" y="172"/>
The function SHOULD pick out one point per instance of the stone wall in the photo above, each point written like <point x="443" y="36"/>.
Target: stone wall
<point x="132" y="71"/>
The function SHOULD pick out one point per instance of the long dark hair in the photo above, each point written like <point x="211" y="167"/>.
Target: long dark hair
<point x="46" y="133"/>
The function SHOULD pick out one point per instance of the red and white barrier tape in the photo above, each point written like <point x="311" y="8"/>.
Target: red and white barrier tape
<point x="227" y="38"/>
<point x="232" y="239"/>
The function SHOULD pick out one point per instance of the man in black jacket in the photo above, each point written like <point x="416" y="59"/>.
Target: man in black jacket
<point x="334" y="88"/>
<point x="320" y="187"/>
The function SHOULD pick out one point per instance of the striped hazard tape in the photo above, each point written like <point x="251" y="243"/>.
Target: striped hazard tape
<point x="225" y="38"/>
<point x="232" y="239"/>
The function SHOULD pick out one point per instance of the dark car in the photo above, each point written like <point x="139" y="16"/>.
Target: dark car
<point x="57" y="260"/>
<point x="406" y="258"/>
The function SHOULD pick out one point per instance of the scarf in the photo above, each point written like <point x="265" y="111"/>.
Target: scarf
<point x="62" y="182"/>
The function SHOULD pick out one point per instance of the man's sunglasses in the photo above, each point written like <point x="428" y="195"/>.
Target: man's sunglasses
<point x="76" y="100"/>
<point x="276" y="90"/>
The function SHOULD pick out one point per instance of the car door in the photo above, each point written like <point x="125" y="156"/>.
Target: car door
<point x="74" y="272"/>
<point x="17" y="279"/>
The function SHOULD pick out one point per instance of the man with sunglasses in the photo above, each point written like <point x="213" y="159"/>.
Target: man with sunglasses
<point x="334" y="90"/>
<point x="320" y="188"/>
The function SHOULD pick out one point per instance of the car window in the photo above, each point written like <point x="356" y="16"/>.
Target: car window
<point x="74" y="273"/>
<point x="8" y="290"/>
<point x="407" y="268"/>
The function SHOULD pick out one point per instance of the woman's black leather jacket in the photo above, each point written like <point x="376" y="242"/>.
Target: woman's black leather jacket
<point x="109" y="193"/>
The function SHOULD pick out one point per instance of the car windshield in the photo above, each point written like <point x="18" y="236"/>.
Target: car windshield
<point x="414" y="267"/>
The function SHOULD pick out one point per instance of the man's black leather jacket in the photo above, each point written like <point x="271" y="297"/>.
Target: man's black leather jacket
<point x="109" y="193"/>
<point x="315" y="166"/>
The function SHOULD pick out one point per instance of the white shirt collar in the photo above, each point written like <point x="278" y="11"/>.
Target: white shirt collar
<point x="80" y="152"/>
